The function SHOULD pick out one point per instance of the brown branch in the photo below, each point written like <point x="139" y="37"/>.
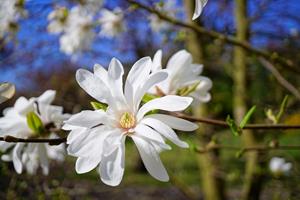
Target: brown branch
<point x="55" y="141"/>
<point x="273" y="57"/>
<point x="287" y="85"/>
<point x="224" y="124"/>
<point x="246" y="149"/>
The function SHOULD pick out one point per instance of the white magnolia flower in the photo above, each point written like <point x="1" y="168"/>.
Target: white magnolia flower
<point x="31" y="155"/>
<point x="182" y="73"/>
<point x="159" y="25"/>
<point x="199" y="5"/>
<point x="7" y="90"/>
<point x="10" y="12"/>
<point x="79" y="33"/>
<point x="97" y="137"/>
<point x="156" y="24"/>
<point x="58" y="20"/>
<point x="111" y="22"/>
<point x="280" y="166"/>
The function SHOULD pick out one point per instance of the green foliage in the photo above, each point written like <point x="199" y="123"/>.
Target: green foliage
<point x="247" y="117"/>
<point x="98" y="105"/>
<point x="188" y="89"/>
<point x="148" y="97"/>
<point x="237" y="129"/>
<point x="276" y="118"/>
<point x="35" y="123"/>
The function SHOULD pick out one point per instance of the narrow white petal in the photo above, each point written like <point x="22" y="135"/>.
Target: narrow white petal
<point x="153" y="79"/>
<point x="23" y="106"/>
<point x="146" y="132"/>
<point x="101" y="72"/>
<point x="151" y="159"/>
<point x="167" y="103"/>
<point x="93" y="85"/>
<point x="7" y="90"/>
<point x="47" y="97"/>
<point x="111" y="168"/>
<point x="139" y="71"/>
<point x="174" y="122"/>
<point x="17" y="157"/>
<point x="178" y="62"/>
<point x="199" y="5"/>
<point x="86" y="164"/>
<point x="43" y="157"/>
<point x="157" y="61"/>
<point x="165" y="130"/>
<point x="88" y="118"/>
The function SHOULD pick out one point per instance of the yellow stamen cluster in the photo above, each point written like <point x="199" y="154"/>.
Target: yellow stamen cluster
<point x="127" y="120"/>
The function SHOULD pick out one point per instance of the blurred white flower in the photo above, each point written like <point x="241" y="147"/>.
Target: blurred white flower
<point x="7" y="90"/>
<point x="183" y="75"/>
<point x="78" y="34"/>
<point x="279" y="166"/>
<point x="10" y="12"/>
<point x="157" y="24"/>
<point x="57" y="20"/>
<point x="98" y="137"/>
<point x="31" y="155"/>
<point x="199" y="5"/>
<point x="111" y="22"/>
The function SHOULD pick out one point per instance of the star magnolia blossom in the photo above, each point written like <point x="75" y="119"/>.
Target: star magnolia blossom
<point x="10" y="12"/>
<point x="111" y="22"/>
<point x="7" y="90"/>
<point x="14" y="123"/>
<point x="79" y="33"/>
<point x="182" y="73"/>
<point x="97" y="137"/>
<point x="280" y="166"/>
<point x="199" y="5"/>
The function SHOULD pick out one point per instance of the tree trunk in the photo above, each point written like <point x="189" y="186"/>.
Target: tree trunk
<point x="252" y="183"/>
<point x="209" y="163"/>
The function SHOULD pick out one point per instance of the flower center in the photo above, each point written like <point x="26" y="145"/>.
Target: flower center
<point x="127" y="120"/>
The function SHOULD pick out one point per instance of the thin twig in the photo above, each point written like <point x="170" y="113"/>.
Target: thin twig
<point x="246" y="149"/>
<point x="224" y="124"/>
<point x="287" y="85"/>
<point x="273" y="57"/>
<point x="55" y="141"/>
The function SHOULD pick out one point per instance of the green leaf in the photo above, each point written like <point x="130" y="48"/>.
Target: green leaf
<point x="247" y="117"/>
<point x="283" y="106"/>
<point x="240" y="153"/>
<point x="233" y="127"/>
<point x="270" y="115"/>
<point x="98" y="105"/>
<point x="35" y="123"/>
<point x="148" y="97"/>
<point x="188" y="89"/>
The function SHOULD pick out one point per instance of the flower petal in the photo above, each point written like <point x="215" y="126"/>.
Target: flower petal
<point x="151" y="159"/>
<point x="153" y="79"/>
<point x="139" y="71"/>
<point x="43" y="158"/>
<point x="156" y="64"/>
<point x="88" y="118"/>
<point x="86" y="164"/>
<point x="17" y="157"/>
<point x="167" y="103"/>
<point x="178" y="62"/>
<point x="111" y="168"/>
<point x="174" y="122"/>
<point x="148" y="133"/>
<point x="93" y="85"/>
<point x="165" y="130"/>
<point x="47" y="97"/>
<point x="199" y="4"/>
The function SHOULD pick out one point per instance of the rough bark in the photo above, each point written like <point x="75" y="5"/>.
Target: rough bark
<point x="210" y="172"/>
<point x="251" y="188"/>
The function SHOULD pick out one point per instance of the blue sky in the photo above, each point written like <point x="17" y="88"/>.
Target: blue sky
<point x="36" y="48"/>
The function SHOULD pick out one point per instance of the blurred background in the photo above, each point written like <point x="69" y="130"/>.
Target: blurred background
<point x="32" y="57"/>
